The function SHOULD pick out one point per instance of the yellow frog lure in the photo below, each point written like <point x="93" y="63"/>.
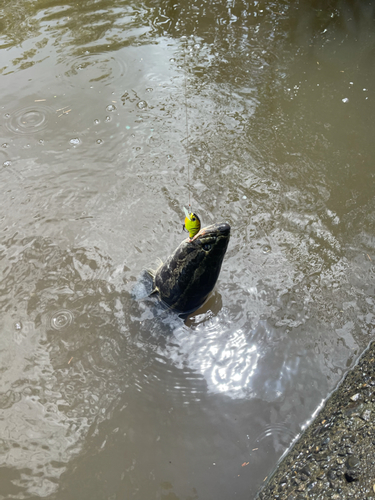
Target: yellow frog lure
<point x="192" y="223"/>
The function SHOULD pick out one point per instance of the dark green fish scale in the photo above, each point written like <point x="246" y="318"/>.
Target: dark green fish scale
<point x="188" y="276"/>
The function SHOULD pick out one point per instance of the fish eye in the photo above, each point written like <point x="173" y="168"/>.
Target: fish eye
<point x="193" y="219"/>
<point x="206" y="247"/>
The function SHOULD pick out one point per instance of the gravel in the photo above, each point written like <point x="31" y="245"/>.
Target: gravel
<point x="335" y="456"/>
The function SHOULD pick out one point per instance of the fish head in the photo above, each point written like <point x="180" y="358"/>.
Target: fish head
<point x="211" y="242"/>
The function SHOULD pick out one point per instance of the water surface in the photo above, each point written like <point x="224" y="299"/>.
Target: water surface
<point x="106" y="397"/>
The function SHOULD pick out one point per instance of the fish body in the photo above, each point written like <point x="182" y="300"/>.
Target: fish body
<point x="188" y="276"/>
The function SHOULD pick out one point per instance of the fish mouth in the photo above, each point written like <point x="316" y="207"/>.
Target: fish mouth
<point x="222" y="228"/>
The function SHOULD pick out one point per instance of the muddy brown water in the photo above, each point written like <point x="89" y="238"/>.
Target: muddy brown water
<point x="106" y="397"/>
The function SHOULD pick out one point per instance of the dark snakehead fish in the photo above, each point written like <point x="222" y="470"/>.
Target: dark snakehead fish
<point x="188" y="276"/>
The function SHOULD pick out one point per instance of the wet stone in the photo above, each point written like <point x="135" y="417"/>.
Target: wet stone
<point x="352" y="475"/>
<point x="306" y="471"/>
<point x="311" y="485"/>
<point x="352" y="410"/>
<point x="333" y="484"/>
<point x="322" y="457"/>
<point x="352" y="462"/>
<point x="324" y="486"/>
<point x="366" y="415"/>
<point x="331" y="474"/>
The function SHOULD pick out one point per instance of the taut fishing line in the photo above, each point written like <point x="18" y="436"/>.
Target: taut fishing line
<point x="192" y="222"/>
<point x="186" y="122"/>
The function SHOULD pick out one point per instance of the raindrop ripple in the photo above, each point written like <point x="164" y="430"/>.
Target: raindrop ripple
<point x="61" y="319"/>
<point x="28" y="120"/>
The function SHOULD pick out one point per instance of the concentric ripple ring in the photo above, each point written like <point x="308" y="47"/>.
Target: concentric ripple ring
<point x="61" y="319"/>
<point x="28" y="120"/>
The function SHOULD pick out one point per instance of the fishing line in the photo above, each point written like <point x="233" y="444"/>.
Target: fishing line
<point x="186" y="122"/>
<point x="192" y="222"/>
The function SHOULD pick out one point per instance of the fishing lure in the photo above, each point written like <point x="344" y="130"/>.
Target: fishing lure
<point x="192" y="223"/>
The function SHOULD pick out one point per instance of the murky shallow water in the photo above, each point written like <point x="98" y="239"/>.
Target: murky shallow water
<point x="104" y="397"/>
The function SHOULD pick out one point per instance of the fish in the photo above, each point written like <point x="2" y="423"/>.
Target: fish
<point x="185" y="280"/>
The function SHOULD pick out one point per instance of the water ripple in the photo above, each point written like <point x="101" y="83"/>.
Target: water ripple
<point x="96" y="67"/>
<point x="28" y="120"/>
<point x="61" y="319"/>
<point x="54" y="387"/>
<point x="279" y="434"/>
